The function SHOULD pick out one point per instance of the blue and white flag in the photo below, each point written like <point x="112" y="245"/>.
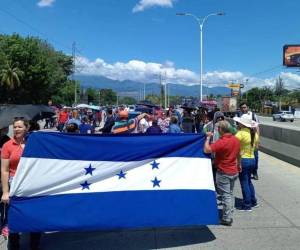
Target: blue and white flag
<point x="95" y="182"/>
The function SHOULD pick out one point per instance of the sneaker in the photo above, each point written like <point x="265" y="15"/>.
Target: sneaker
<point x="5" y="232"/>
<point x="255" y="177"/>
<point x="226" y="223"/>
<point x="255" y="205"/>
<point x="244" y="209"/>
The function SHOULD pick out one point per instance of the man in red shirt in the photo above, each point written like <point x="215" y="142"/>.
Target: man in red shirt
<point x="227" y="150"/>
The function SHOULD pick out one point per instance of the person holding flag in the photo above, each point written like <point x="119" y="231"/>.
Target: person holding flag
<point x="11" y="153"/>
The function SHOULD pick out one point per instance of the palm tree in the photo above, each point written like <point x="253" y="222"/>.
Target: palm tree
<point x="10" y="76"/>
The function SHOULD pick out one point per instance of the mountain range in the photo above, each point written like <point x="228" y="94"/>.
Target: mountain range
<point x="133" y="88"/>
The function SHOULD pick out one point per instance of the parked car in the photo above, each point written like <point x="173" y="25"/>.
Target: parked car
<point x="131" y="108"/>
<point x="284" y="116"/>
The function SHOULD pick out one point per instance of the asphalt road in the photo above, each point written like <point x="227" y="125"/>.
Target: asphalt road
<point x="274" y="225"/>
<point x="290" y="125"/>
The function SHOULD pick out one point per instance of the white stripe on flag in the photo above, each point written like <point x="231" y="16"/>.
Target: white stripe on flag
<point x="39" y="177"/>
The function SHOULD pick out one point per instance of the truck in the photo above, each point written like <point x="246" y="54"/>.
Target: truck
<point x="228" y="105"/>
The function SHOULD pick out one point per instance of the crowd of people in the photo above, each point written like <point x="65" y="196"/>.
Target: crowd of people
<point x="115" y="120"/>
<point x="232" y="145"/>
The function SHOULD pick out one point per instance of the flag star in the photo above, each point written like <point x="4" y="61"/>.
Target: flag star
<point x="154" y="165"/>
<point x="121" y="175"/>
<point x="89" y="170"/>
<point x="85" y="185"/>
<point x="156" y="182"/>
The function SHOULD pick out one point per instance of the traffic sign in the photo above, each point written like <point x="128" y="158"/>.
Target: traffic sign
<point x="234" y="85"/>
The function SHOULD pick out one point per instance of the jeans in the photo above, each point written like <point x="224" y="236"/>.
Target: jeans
<point x="60" y="127"/>
<point x="248" y="164"/>
<point x="225" y="185"/>
<point x="256" y="162"/>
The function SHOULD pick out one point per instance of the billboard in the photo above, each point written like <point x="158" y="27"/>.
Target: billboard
<point x="291" y="55"/>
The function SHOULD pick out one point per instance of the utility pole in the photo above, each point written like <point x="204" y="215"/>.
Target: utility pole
<point x="74" y="67"/>
<point x="165" y="79"/>
<point x="168" y="100"/>
<point x="161" y="89"/>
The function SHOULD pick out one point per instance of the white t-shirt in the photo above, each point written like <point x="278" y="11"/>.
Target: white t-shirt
<point x="143" y="125"/>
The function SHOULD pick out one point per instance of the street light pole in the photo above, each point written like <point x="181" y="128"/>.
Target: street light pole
<point x="201" y="22"/>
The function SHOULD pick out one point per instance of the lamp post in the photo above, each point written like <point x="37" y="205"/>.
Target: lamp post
<point x="201" y="22"/>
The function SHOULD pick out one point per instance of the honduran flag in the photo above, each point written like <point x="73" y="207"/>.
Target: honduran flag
<point x="68" y="182"/>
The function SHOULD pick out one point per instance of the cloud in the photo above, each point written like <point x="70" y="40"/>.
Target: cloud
<point x="135" y="70"/>
<point x="290" y="80"/>
<point x="217" y="78"/>
<point x="149" y="72"/>
<point x="146" y="72"/>
<point x="145" y="4"/>
<point x="45" y="3"/>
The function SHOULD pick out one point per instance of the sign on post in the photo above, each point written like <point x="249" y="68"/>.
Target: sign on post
<point x="234" y="85"/>
<point x="291" y="55"/>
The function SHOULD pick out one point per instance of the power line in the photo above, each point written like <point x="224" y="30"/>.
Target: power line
<point x="33" y="28"/>
<point x="266" y="70"/>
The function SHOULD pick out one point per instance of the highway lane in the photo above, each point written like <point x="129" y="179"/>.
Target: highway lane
<point x="289" y="125"/>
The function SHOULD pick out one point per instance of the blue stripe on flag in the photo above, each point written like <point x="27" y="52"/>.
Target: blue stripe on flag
<point x="132" y="147"/>
<point x="113" y="210"/>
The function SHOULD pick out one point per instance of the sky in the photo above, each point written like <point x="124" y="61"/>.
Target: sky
<point x="141" y="39"/>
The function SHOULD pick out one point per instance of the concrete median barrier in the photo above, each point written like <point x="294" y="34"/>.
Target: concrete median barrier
<point x="281" y="143"/>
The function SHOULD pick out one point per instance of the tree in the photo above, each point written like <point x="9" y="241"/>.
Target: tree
<point x="254" y="99"/>
<point x="279" y="87"/>
<point x="175" y="100"/>
<point x="45" y="70"/>
<point x="92" y="95"/>
<point x="127" y="100"/>
<point x="66" y="93"/>
<point x="155" y="99"/>
<point x="279" y="90"/>
<point x="10" y="76"/>
<point x="211" y="97"/>
<point x="295" y="95"/>
<point x="107" y="97"/>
